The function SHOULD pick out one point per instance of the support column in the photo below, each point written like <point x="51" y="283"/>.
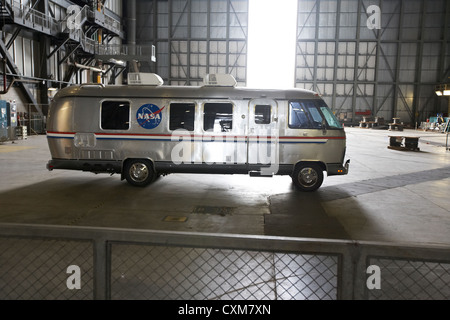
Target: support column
<point x="44" y="65"/>
<point x="44" y="69"/>
<point x="131" y="25"/>
<point x="448" y="109"/>
<point x="131" y="34"/>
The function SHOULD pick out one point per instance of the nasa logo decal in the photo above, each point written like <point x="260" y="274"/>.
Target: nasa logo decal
<point x="149" y="116"/>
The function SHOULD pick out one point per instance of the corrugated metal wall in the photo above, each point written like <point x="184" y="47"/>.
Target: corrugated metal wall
<point x="194" y="38"/>
<point x="390" y="70"/>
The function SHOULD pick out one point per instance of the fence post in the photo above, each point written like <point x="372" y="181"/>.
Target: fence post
<point x="347" y="278"/>
<point x="101" y="269"/>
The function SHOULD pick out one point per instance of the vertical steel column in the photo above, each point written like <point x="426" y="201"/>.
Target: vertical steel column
<point x="208" y="36"/>
<point x="227" y="35"/>
<point x="102" y="269"/>
<point x="377" y="66"/>
<point x="441" y="74"/>
<point x="336" y="55"/>
<point x="131" y="27"/>
<point x="448" y="106"/>
<point x="418" y="75"/>
<point x="44" y="50"/>
<point x="316" y="45"/>
<point x="246" y="43"/>
<point x="397" y="62"/>
<point x="355" y="71"/>
<point x="154" y="65"/>
<point x="189" y="40"/>
<point x="169" y="39"/>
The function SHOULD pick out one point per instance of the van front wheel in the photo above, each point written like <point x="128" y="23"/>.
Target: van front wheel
<point x="139" y="172"/>
<point x="308" y="177"/>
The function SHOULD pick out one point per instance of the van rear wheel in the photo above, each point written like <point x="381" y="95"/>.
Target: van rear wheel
<point x="139" y="172"/>
<point x="308" y="176"/>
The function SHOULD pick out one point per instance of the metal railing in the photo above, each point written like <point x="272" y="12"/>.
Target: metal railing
<point x="113" y="24"/>
<point x="124" y="50"/>
<point x="33" y="18"/>
<point x="38" y="20"/>
<point x="36" y="262"/>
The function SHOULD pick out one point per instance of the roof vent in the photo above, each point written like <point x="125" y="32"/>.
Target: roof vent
<point x="139" y="78"/>
<point x="219" y="80"/>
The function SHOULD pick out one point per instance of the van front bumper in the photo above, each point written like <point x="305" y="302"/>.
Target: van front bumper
<point x="334" y="169"/>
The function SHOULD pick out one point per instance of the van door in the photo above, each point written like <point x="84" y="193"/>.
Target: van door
<point x="262" y="145"/>
<point x="221" y="131"/>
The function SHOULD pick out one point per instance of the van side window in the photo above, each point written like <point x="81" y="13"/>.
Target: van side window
<point x="262" y="114"/>
<point x="316" y="117"/>
<point x="218" y="117"/>
<point x="329" y="116"/>
<point x="182" y="116"/>
<point x="304" y="115"/>
<point x="115" y="115"/>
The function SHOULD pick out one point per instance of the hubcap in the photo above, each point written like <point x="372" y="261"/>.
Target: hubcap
<point x="139" y="172"/>
<point x="308" y="177"/>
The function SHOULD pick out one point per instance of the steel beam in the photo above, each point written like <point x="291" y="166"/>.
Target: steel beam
<point x="14" y="36"/>
<point x="15" y="70"/>
<point x="397" y="62"/>
<point x="355" y="72"/>
<point x="336" y="55"/>
<point x="419" y="59"/>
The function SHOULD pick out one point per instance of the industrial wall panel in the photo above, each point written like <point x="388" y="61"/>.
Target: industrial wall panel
<point x="387" y="63"/>
<point x="390" y="24"/>
<point x="382" y="57"/>
<point x="194" y="38"/>
<point x="307" y="14"/>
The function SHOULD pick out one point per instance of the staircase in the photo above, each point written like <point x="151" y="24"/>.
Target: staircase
<point x="6" y="15"/>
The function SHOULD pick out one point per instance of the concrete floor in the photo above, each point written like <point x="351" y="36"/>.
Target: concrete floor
<point x="388" y="196"/>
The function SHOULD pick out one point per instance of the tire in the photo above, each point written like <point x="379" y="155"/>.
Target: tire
<point x="307" y="177"/>
<point x="139" y="172"/>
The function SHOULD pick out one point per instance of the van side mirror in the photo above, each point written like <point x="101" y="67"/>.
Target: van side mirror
<point x="324" y="126"/>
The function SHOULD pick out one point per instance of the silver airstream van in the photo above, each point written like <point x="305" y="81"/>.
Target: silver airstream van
<point x="146" y="129"/>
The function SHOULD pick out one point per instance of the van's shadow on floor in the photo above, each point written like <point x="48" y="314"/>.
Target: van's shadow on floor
<point x="102" y="199"/>
<point x="301" y="214"/>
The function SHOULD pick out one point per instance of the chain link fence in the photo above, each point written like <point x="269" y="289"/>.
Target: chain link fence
<point x="36" y="268"/>
<point x="38" y="262"/>
<point x="161" y="272"/>
<point x="412" y="280"/>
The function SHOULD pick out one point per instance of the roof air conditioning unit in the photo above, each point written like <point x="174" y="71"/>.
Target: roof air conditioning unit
<point x="139" y="78"/>
<point x="219" y="80"/>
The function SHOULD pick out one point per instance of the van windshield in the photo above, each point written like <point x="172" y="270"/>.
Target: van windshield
<point x="311" y="114"/>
